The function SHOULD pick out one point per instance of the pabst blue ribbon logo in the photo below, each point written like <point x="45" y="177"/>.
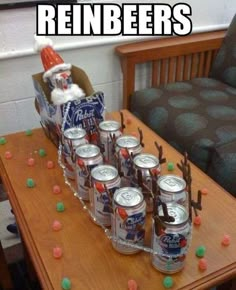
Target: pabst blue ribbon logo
<point x="172" y="243"/>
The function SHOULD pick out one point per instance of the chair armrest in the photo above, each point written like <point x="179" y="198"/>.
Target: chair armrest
<point x="173" y="59"/>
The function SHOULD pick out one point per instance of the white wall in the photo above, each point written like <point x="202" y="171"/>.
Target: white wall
<point x="95" y="55"/>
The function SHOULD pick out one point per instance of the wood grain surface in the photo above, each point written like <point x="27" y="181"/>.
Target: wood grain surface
<point x="88" y="257"/>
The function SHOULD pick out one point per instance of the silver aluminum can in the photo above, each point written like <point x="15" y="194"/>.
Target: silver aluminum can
<point x="72" y="138"/>
<point x="132" y="145"/>
<point x="172" y="241"/>
<point x="105" y="181"/>
<point x="128" y="219"/>
<point x="173" y="189"/>
<point x="87" y="157"/>
<point x="107" y="129"/>
<point x="145" y="163"/>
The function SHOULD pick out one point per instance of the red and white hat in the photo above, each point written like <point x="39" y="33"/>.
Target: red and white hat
<point x="51" y="60"/>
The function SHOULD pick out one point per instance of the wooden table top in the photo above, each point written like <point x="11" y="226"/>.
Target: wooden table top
<point x="89" y="260"/>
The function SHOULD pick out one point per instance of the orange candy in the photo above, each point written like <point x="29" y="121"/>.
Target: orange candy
<point x="50" y="164"/>
<point x="204" y="191"/>
<point x="202" y="264"/>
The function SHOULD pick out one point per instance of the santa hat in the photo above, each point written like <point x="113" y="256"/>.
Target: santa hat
<point x="53" y="63"/>
<point x="51" y="60"/>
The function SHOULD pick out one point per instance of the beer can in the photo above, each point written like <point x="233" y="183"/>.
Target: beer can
<point x="171" y="240"/>
<point x="72" y="138"/>
<point x="128" y="219"/>
<point x="107" y="129"/>
<point x="105" y="181"/>
<point x="125" y="146"/>
<point x="87" y="157"/>
<point x="173" y="189"/>
<point x="145" y="163"/>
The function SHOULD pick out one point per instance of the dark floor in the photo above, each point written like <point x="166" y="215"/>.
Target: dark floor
<point x="20" y="277"/>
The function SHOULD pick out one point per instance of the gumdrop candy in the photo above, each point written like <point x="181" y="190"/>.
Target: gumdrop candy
<point x="66" y="284"/>
<point x="168" y="282"/>
<point x="57" y="252"/>
<point x="56" y="226"/>
<point x="202" y="264"/>
<point x="226" y="240"/>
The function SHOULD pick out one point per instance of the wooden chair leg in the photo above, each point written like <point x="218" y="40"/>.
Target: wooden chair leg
<point x="5" y="276"/>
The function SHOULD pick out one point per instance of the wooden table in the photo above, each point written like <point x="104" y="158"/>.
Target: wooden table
<point x="88" y="257"/>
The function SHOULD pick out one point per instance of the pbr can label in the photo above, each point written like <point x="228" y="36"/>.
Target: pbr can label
<point x="146" y="164"/>
<point x="106" y="181"/>
<point x="88" y="156"/>
<point x="128" y="219"/>
<point x="171" y="243"/>
<point x="125" y="146"/>
<point x="109" y="129"/>
<point x="72" y="138"/>
<point x="173" y="189"/>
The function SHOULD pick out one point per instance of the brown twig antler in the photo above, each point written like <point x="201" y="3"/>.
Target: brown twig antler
<point x="160" y="151"/>
<point x="141" y="137"/>
<point x="122" y="121"/>
<point x="160" y="220"/>
<point x="197" y="204"/>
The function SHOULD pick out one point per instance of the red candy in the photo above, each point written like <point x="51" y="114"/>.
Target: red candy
<point x="226" y="240"/>
<point x="197" y="220"/>
<point x="50" y="164"/>
<point x="31" y="162"/>
<point x="57" y="252"/>
<point x="132" y="285"/>
<point x="202" y="264"/>
<point x="56" y="189"/>
<point x="8" y="155"/>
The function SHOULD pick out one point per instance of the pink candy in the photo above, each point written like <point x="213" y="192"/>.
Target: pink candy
<point x="56" y="226"/>
<point x="8" y="155"/>
<point x="132" y="285"/>
<point x="57" y="252"/>
<point x="31" y="162"/>
<point x="197" y="220"/>
<point x="202" y="264"/>
<point x="56" y="189"/>
<point x="50" y="164"/>
<point x="225" y="240"/>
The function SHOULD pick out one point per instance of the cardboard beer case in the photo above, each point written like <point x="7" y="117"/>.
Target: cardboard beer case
<point x="85" y="112"/>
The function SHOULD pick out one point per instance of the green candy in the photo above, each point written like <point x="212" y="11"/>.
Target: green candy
<point x="30" y="182"/>
<point x="170" y="166"/>
<point x="66" y="284"/>
<point x="200" y="251"/>
<point x="60" y="206"/>
<point x="42" y="152"/>
<point x="28" y="132"/>
<point x="3" y="141"/>
<point x="168" y="282"/>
